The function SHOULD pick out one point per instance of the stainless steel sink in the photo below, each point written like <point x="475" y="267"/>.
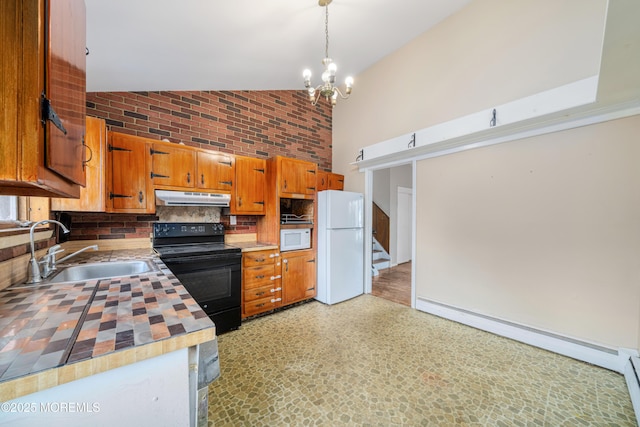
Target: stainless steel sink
<point x="101" y="270"/>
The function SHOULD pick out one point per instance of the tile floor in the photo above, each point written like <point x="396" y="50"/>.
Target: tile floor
<point x="372" y="362"/>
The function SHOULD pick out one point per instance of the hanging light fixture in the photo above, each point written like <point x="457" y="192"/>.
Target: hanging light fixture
<point x="327" y="88"/>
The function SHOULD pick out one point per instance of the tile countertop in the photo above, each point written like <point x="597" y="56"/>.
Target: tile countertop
<point x="53" y="334"/>
<point x="253" y="246"/>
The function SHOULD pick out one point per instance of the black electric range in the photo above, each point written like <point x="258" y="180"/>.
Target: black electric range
<point x="209" y="269"/>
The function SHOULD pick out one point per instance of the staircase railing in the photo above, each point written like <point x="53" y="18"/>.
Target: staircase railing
<point x="380" y="222"/>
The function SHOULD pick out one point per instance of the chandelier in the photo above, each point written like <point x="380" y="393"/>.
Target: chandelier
<point x="327" y="88"/>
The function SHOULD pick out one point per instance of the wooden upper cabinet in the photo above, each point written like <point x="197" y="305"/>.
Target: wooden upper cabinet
<point x="93" y="195"/>
<point x="129" y="186"/>
<point x="172" y="165"/>
<point x="249" y="191"/>
<point x="296" y="177"/>
<point x="215" y="171"/>
<point x="335" y="181"/>
<point x="66" y="88"/>
<point x="322" y="180"/>
<point x="329" y="181"/>
<point x="43" y="52"/>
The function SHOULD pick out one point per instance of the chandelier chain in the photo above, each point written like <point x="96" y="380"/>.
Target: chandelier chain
<point x="326" y="31"/>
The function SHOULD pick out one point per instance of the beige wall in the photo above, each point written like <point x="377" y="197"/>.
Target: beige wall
<point x="540" y="231"/>
<point x="489" y="53"/>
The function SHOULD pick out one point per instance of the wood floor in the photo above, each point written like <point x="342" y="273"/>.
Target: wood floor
<point x="394" y="284"/>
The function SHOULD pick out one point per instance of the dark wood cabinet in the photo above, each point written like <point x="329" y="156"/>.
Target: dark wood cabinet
<point x="42" y="66"/>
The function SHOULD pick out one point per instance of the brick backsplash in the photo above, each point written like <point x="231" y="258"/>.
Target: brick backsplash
<point x="99" y="226"/>
<point x="250" y="123"/>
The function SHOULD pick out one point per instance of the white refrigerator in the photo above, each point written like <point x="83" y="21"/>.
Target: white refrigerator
<point x="340" y="246"/>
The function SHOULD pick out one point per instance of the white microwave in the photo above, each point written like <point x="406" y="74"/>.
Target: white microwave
<point x="293" y="239"/>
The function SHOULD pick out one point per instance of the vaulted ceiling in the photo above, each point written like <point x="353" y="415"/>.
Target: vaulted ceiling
<point x="139" y="45"/>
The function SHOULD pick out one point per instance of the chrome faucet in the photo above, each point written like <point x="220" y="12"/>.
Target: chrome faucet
<point x="34" y="273"/>
<point x="94" y="247"/>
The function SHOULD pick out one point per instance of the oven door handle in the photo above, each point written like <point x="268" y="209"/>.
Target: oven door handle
<point x="229" y="258"/>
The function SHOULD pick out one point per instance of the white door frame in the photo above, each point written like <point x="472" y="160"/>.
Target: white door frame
<point x="400" y="225"/>
<point x="368" y="219"/>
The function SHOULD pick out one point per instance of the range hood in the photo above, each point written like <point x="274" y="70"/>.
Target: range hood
<point x="190" y="198"/>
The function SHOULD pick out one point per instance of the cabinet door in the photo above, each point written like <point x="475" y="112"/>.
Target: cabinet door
<point x="297" y="177"/>
<point x="65" y="88"/>
<point x="336" y="182"/>
<point x="172" y="165"/>
<point x="129" y="189"/>
<point x="298" y="277"/>
<point x="31" y="163"/>
<point x="250" y="187"/>
<point x="93" y="196"/>
<point x="322" y="181"/>
<point x="215" y="171"/>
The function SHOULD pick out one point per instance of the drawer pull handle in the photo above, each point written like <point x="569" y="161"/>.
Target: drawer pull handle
<point x="276" y="299"/>
<point x="260" y="276"/>
<point x="260" y="293"/>
<point x="260" y="305"/>
<point x="259" y="259"/>
<point x="276" y="290"/>
<point x="276" y="277"/>
<point x="311" y="289"/>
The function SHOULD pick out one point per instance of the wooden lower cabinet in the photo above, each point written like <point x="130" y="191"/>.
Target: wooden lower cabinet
<point x="271" y="280"/>
<point x="261" y="282"/>
<point x="298" y="276"/>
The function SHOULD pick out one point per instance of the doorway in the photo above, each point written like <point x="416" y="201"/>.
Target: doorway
<point x="391" y="188"/>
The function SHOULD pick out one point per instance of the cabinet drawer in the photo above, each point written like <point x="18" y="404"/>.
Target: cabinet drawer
<point x="262" y="305"/>
<point x="272" y="290"/>
<point x="260" y="257"/>
<point x="254" y="277"/>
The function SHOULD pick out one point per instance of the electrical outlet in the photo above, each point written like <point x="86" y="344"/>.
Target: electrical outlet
<point x="232" y="220"/>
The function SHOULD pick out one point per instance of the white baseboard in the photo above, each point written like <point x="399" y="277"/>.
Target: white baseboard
<point x="631" y="372"/>
<point x="615" y="360"/>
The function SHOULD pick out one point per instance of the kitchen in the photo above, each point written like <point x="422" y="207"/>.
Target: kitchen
<point x="343" y="154"/>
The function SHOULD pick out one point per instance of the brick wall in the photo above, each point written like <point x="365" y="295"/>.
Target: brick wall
<point x="99" y="226"/>
<point x="251" y="123"/>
